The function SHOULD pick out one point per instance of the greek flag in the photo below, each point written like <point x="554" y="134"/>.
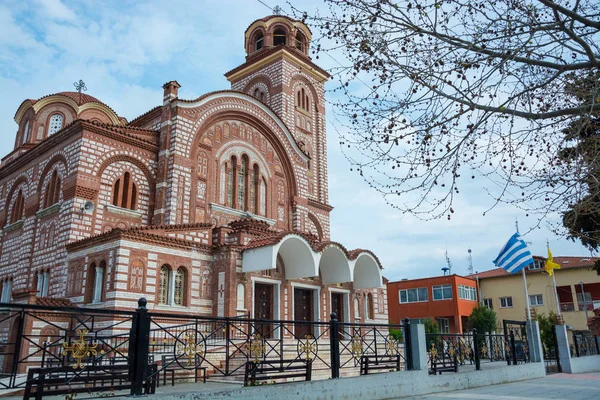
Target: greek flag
<point x="514" y="256"/>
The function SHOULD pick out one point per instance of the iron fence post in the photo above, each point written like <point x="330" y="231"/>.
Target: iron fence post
<point x="476" y="349"/>
<point x="138" y="348"/>
<point x="281" y="342"/>
<point x="513" y="347"/>
<point x="576" y="345"/>
<point x="334" y="345"/>
<point x="597" y="344"/>
<point x="227" y="339"/>
<point x="407" y="346"/>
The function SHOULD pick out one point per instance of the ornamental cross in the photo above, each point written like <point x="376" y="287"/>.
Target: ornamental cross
<point x="80" y="348"/>
<point x="277" y="10"/>
<point x="79" y="86"/>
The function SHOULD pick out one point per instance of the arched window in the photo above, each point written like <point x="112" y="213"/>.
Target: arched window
<point x="26" y="132"/>
<point x="241" y="291"/>
<point x="356" y="309"/>
<point x="6" y="291"/>
<point x="52" y="190"/>
<point x="279" y="37"/>
<point x="96" y="275"/>
<point x="222" y="183"/>
<point x="125" y="192"/>
<point x="179" y="295"/>
<point x="241" y="187"/>
<point x="43" y="283"/>
<point x="259" y="42"/>
<point x="164" y="284"/>
<point x="299" y="41"/>
<point x="263" y="197"/>
<point x="370" y="306"/>
<point x="18" y="208"/>
<point x="232" y="173"/>
<point x="56" y="124"/>
<point x="254" y="188"/>
<point x="203" y="164"/>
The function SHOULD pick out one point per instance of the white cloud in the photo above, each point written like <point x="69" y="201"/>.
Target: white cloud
<point x="56" y="10"/>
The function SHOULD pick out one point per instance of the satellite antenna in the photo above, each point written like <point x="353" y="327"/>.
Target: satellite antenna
<point x="448" y="263"/>
<point x="470" y="262"/>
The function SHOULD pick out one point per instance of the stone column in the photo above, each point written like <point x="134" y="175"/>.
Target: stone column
<point x="536" y="351"/>
<point x="564" y="352"/>
<point x="418" y="346"/>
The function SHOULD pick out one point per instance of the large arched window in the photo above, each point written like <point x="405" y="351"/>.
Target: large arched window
<point x="179" y="293"/>
<point x="164" y="284"/>
<point x="56" y="124"/>
<point x="241" y="187"/>
<point x="279" y="37"/>
<point x="259" y="42"/>
<point x="52" y="195"/>
<point x="18" y="208"/>
<point x="302" y="99"/>
<point x="263" y="197"/>
<point x="254" y="188"/>
<point x="232" y="173"/>
<point x="125" y="192"/>
<point x="26" y="132"/>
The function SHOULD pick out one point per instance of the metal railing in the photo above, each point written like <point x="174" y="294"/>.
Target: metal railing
<point x="585" y="345"/>
<point x="64" y="343"/>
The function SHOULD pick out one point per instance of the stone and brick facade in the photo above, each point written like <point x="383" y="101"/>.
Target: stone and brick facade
<point x="193" y="204"/>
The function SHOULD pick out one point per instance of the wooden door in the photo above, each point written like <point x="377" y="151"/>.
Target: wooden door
<point x="263" y="308"/>
<point x="303" y="312"/>
<point x="337" y="306"/>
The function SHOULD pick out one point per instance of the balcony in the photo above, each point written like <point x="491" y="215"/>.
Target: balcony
<point x="566" y="307"/>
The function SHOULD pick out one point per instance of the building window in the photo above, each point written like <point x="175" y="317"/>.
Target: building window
<point x="203" y="164"/>
<point x="467" y="292"/>
<point x="230" y="184"/>
<point x="413" y="295"/>
<point x="488" y="303"/>
<point x="43" y="278"/>
<point x="302" y="100"/>
<point x="279" y="37"/>
<point x="370" y="306"/>
<point x="263" y="197"/>
<point x="444" y="325"/>
<point x="299" y="41"/>
<point x="506" y="302"/>
<point x="356" y="309"/>
<point x="442" y="292"/>
<point x="6" y="291"/>
<point x="18" y="208"/>
<point x="241" y="187"/>
<point x="98" y="281"/>
<point x="222" y="185"/>
<point x="56" y="124"/>
<point x="164" y="283"/>
<point x="179" y="295"/>
<point x="536" y="300"/>
<point x="537" y="265"/>
<point x="125" y="192"/>
<point x="26" y="132"/>
<point x="240" y="297"/>
<point x="259" y="42"/>
<point x="52" y="195"/>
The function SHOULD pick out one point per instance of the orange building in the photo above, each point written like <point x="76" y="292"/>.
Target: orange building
<point x="448" y="300"/>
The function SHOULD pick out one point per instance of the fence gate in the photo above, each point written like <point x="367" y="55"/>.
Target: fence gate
<point x="516" y="334"/>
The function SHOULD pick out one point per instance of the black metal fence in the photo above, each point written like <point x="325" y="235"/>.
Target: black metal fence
<point x="448" y="352"/>
<point x="585" y="345"/>
<point x="57" y="350"/>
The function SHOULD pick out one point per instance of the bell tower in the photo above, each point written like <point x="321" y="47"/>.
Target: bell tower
<point x="279" y="72"/>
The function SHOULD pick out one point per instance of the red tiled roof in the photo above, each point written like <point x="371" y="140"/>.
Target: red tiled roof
<point x="566" y="262"/>
<point x="53" y="302"/>
<point x="268" y="17"/>
<point x="83" y="99"/>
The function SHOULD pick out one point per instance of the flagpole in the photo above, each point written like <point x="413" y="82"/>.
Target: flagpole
<point x="524" y="281"/>
<point x="554" y="283"/>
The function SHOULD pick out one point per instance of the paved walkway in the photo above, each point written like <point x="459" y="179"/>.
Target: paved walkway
<point x="557" y="386"/>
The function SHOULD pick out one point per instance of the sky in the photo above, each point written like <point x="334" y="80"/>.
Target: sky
<point x="126" y="50"/>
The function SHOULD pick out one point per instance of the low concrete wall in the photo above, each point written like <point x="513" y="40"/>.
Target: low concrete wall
<point x="376" y="387"/>
<point x="585" y="364"/>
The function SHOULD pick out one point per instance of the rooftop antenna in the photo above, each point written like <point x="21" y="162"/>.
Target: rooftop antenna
<point x="448" y="263"/>
<point x="445" y="270"/>
<point x="470" y="262"/>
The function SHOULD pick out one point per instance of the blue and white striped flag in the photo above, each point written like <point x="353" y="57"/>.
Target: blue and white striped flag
<point x="514" y="256"/>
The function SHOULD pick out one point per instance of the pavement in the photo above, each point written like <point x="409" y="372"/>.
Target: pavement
<point x="556" y="386"/>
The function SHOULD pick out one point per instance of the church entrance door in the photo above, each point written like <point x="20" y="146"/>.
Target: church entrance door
<point x="303" y="312"/>
<point x="263" y="308"/>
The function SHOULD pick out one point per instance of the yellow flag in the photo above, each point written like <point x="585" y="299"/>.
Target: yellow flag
<point x="550" y="264"/>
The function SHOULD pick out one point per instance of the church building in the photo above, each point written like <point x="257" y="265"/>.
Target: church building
<point x="213" y="206"/>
